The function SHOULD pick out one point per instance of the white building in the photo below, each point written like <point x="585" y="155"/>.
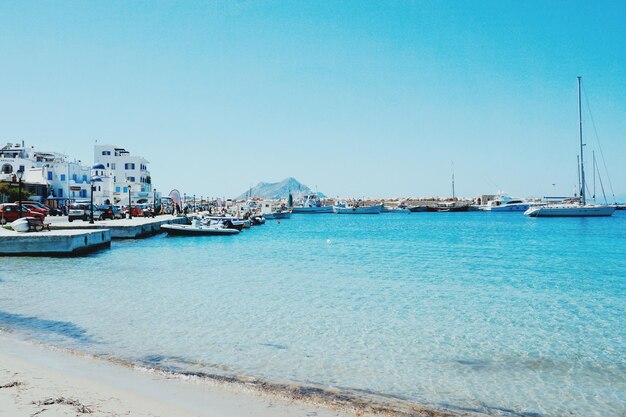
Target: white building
<point x="52" y="174"/>
<point x="127" y="171"/>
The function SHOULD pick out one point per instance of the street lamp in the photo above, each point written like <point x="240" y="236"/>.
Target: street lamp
<point x="154" y="202"/>
<point x="20" y="175"/>
<point x="130" y="207"/>
<point x="92" y="182"/>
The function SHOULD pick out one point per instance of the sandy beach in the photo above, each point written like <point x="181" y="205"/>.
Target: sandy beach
<point x="35" y="380"/>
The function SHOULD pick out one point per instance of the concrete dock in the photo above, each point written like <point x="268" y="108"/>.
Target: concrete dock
<point x="53" y="243"/>
<point x="135" y="228"/>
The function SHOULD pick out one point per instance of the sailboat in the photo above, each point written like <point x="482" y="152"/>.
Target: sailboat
<point x="580" y="208"/>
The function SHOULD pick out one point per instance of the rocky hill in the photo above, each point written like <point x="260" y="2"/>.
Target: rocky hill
<point x="278" y="190"/>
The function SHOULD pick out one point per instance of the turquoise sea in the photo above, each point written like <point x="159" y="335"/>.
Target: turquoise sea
<point x="494" y="313"/>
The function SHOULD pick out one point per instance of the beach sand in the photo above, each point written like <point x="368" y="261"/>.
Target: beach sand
<point x="38" y="381"/>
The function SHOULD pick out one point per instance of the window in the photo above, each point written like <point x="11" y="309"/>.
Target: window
<point x="84" y="178"/>
<point x="117" y="189"/>
<point x="60" y="193"/>
<point x="129" y="165"/>
<point x="106" y="153"/>
<point x="125" y="189"/>
<point x="49" y="176"/>
<point x="83" y="193"/>
<point x="113" y="166"/>
<point x="21" y="168"/>
<point x="7" y="169"/>
<point x="131" y="179"/>
<point x="62" y="178"/>
<point x="74" y="177"/>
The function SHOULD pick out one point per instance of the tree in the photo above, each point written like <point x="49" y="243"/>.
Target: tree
<point x="11" y="193"/>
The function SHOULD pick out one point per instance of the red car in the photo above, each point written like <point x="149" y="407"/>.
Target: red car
<point x="36" y="209"/>
<point x="10" y="212"/>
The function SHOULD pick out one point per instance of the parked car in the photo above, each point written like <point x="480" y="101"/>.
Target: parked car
<point x="10" y="212"/>
<point x="36" y="206"/>
<point x="82" y="211"/>
<point x="111" y="212"/>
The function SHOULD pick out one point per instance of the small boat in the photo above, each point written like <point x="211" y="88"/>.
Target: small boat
<point x="257" y="220"/>
<point x="417" y="209"/>
<point x="342" y="208"/>
<point x="311" y="205"/>
<point x="198" y="229"/>
<point x="21" y="224"/>
<point x="279" y="214"/>
<point x="452" y="208"/>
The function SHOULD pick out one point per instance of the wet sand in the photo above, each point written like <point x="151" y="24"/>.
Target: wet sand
<point x="39" y="380"/>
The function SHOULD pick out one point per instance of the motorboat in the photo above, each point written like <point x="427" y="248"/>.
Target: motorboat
<point x="312" y="205"/>
<point x="196" y="228"/>
<point x="279" y="214"/>
<point x="504" y="203"/>
<point x="342" y="208"/>
<point x="579" y="208"/>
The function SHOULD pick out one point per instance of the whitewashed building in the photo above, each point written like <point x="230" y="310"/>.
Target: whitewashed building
<point x="127" y="171"/>
<point x="54" y="175"/>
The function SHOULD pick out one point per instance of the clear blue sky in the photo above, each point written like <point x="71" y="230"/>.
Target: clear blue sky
<point x="359" y="98"/>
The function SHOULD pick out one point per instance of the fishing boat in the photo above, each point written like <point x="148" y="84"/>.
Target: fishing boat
<point x="580" y="208"/>
<point x="198" y="229"/>
<point x="417" y="209"/>
<point x="452" y="207"/>
<point x="342" y="208"/>
<point x="311" y="205"/>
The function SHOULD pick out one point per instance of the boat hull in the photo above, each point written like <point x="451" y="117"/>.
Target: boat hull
<point x="511" y="208"/>
<point x="570" y="211"/>
<point x="357" y="210"/>
<point x="277" y="215"/>
<point x="186" y="230"/>
<point x="418" y="209"/>
<point x="312" y="210"/>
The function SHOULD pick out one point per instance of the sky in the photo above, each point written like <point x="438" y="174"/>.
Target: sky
<point x="358" y="98"/>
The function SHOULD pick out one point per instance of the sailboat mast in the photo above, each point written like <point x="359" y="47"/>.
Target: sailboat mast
<point x="453" y="195"/>
<point x="582" y="163"/>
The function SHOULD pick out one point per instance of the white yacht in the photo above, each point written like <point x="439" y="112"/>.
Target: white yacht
<point x="504" y="203"/>
<point x="577" y="209"/>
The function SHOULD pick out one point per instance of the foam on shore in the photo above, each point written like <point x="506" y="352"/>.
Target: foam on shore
<point x="193" y="391"/>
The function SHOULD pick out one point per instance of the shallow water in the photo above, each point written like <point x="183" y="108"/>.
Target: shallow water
<point x="497" y="313"/>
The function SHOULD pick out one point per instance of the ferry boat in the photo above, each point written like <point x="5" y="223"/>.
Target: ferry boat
<point x="580" y="208"/>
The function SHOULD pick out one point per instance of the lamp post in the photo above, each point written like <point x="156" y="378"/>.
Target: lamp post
<point x="195" y="208"/>
<point x="130" y="207"/>
<point x="92" y="183"/>
<point x="20" y="175"/>
<point x="154" y="202"/>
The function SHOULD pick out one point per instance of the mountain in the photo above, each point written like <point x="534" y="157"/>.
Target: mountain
<point x="278" y="190"/>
